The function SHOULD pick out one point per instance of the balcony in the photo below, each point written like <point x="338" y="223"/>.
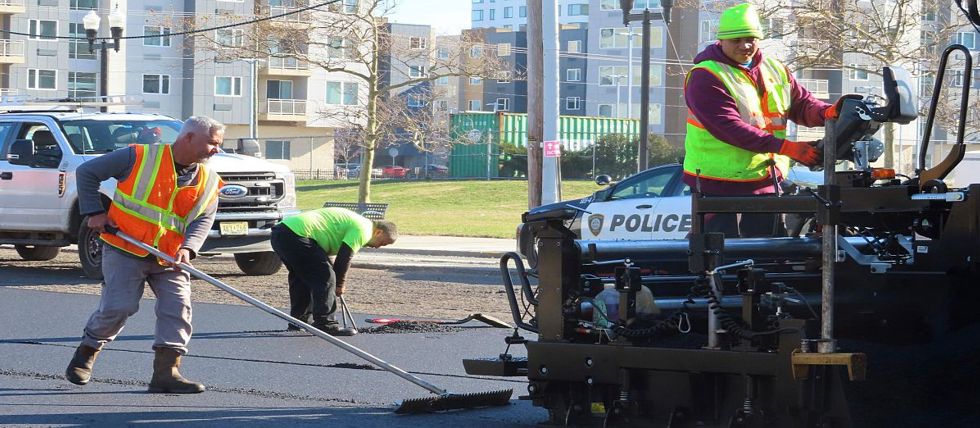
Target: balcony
<point x="11" y="51"/>
<point x="10" y="7"/>
<point x="299" y="19"/>
<point x="284" y="110"/>
<point x="287" y="67"/>
<point x="820" y="88"/>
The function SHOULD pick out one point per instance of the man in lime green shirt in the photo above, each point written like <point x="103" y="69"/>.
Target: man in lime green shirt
<point x="306" y="241"/>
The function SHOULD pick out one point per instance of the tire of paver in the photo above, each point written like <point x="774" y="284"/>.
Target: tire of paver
<point x="266" y="263"/>
<point x="36" y="252"/>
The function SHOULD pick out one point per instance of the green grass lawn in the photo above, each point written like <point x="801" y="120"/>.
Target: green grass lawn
<point x="448" y="208"/>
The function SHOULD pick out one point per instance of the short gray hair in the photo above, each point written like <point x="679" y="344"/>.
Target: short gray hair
<point x="200" y="125"/>
<point x="387" y="227"/>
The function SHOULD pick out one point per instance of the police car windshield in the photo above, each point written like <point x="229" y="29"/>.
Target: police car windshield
<point x="103" y="136"/>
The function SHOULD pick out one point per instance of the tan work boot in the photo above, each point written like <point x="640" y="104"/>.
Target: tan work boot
<point x="166" y="378"/>
<point x="79" y="369"/>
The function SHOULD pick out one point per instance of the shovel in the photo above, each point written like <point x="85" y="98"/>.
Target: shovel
<point x="443" y="400"/>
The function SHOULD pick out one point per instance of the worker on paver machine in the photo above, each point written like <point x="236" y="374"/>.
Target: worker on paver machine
<point x="306" y="241"/>
<point x="166" y="198"/>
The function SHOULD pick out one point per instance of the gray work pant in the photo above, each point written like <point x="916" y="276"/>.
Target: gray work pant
<point x="125" y="278"/>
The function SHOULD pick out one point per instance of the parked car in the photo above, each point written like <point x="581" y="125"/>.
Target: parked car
<point x="429" y="171"/>
<point x="650" y="205"/>
<point x="394" y="171"/>
<point x="355" y="172"/>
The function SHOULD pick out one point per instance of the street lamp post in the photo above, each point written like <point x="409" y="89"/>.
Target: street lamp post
<point x="91" y="23"/>
<point x="645" y="17"/>
<point x="619" y="81"/>
<point x="629" y="71"/>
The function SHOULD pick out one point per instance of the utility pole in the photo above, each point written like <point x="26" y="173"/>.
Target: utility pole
<point x="550" y="166"/>
<point x="535" y="95"/>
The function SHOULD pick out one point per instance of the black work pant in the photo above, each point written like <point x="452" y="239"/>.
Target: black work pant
<point x="312" y="282"/>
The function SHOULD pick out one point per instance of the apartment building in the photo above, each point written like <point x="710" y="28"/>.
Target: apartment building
<point x="512" y="14"/>
<point x="45" y="56"/>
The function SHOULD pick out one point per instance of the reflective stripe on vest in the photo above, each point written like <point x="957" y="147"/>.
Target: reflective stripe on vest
<point x="718" y="160"/>
<point x="144" y="204"/>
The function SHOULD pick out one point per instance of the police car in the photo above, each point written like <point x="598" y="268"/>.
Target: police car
<point x="650" y="205"/>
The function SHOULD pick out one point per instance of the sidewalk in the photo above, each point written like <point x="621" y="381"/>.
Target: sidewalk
<point x="449" y="246"/>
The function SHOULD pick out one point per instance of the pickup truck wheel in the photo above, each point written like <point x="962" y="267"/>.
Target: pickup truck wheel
<point x="256" y="264"/>
<point x="89" y="250"/>
<point x="36" y="252"/>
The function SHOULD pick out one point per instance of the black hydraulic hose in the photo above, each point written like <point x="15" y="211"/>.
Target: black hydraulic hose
<point x="515" y="309"/>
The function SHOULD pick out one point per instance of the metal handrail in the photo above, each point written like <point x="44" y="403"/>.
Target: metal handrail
<point x="285" y="106"/>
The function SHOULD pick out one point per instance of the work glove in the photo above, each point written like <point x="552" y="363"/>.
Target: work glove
<point x="806" y="153"/>
<point x="834" y="111"/>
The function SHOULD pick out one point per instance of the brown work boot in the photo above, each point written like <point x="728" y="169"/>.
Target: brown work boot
<point x="166" y="378"/>
<point x="79" y="369"/>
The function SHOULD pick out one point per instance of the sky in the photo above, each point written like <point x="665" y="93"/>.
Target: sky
<point x="445" y="16"/>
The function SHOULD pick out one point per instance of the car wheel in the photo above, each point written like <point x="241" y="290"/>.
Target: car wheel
<point x="36" y="252"/>
<point x="255" y="264"/>
<point x="89" y="250"/>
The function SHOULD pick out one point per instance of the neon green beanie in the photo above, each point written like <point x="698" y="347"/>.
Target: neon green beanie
<point x="739" y="21"/>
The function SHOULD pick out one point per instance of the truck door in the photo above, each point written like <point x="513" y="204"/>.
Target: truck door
<point x="629" y="211"/>
<point x="30" y="195"/>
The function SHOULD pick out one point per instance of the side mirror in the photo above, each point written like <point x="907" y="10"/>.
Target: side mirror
<point x="603" y="180"/>
<point x="21" y="152"/>
<point x="902" y="99"/>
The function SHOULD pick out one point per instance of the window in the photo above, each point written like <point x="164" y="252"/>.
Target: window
<point x="509" y="12"/>
<point x="279" y="89"/>
<point x="43" y="30"/>
<point x="493" y="14"/>
<point x="442" y="105"/>
<point x="277" y="149"/>
<point x="443" y="53"/>
<point x="416" y="42"/>
<point x="605" y="110"/>
<point x="350" y="6"/>
<point x="957" y="79"/>
<point x="644" y="186"/>
<point x="416" y="71"/>
<point x="81" y="85"/>
<point x="503" y="76"/>
<point x="522" y="11"/>
<point x="503" y="104"/>
<point x="476" y="15"/>
<point x="415" y="100"/>
<point x="574" y="46"/>
<point x="342" y="93"/>
<point x="476" y="51"/>
<point x="503" y="49"/>
<point x="83" y="4"/>
<point x="609" y="74"/>
<point x="928" y="14"/>
<point x="477" y="1"/>
<point x="966" y="39"/>
<point x="708" y="31"/>
<point x="573" y="103"/>
<point x="227" y="86"/>
<point x="42" y="79"/>
<point x="442" y="80"/>
<point x="854" y="73"/>
<point x="475" y="80"/>
<point x="156" y="84"/>
<point x="473" y="105"/>
<point x="612" y="38"/>
<point x="233" y="37"/>
<point x="609" y="5"/>
<point x="340" y="48"/>
<point x="78" y="47"/>
<point x="772" y="28"/>
<point x="156" y="35"/>
<point x="580" y="9"/>
<point x="573" y="75"/>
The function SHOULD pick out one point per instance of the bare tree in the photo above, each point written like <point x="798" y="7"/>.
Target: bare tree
<point x="352" y="40"/>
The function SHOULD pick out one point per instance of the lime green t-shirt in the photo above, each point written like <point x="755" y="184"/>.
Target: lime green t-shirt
<point x="331" y="227"/>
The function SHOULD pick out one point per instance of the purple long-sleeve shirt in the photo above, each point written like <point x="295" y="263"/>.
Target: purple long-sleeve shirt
<point x="709" y="101"/>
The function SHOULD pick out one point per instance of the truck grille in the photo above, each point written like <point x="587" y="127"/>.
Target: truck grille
<point x="257" y="192"/>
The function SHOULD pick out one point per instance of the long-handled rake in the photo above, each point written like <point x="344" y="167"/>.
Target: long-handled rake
<point x="443" y="400"/>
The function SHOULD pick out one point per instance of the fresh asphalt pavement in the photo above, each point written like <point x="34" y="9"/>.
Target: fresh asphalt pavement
<point x="257" y="374"/>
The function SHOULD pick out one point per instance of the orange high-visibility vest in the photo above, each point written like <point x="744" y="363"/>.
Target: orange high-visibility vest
<point x="149" y="206"/>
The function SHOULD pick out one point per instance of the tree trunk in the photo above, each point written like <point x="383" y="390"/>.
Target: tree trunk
<point x="535" y="104"/>
<point x="370" y="143"/>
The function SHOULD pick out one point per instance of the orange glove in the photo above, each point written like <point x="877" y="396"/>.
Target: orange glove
<point x="804" y="153"/>
<point x="833" y="112"/>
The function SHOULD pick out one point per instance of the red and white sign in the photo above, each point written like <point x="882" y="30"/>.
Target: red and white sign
<point x="552" y="149"/>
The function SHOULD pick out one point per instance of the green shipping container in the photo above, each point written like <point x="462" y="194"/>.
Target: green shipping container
<point x="477" y="137"/>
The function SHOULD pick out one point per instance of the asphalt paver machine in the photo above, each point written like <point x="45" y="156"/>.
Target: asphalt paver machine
<point x="866" y="315"/>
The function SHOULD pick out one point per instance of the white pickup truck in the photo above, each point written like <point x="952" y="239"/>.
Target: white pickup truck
<point x="40" y="151"/>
